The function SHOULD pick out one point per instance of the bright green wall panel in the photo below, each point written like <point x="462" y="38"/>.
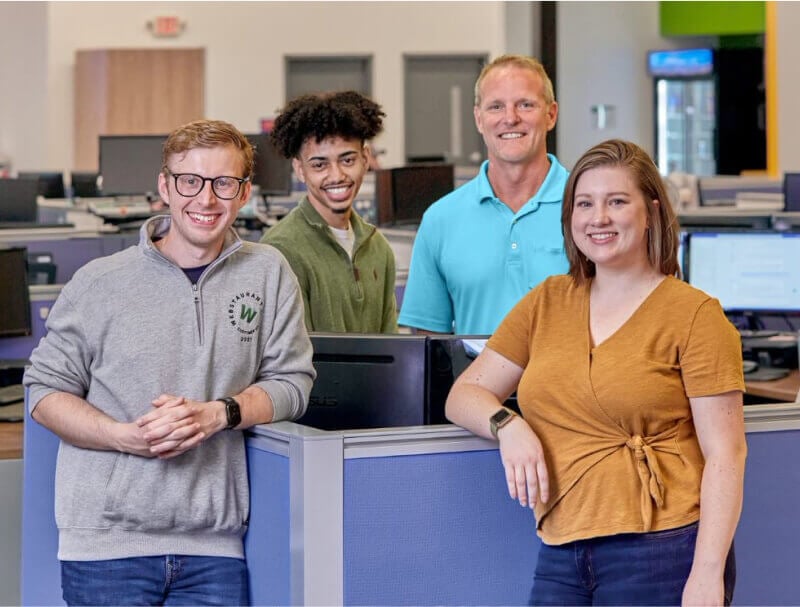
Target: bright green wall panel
<point x="696" y="18"/>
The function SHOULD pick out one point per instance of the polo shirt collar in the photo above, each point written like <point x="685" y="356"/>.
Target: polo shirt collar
<point x="551" y="190"/>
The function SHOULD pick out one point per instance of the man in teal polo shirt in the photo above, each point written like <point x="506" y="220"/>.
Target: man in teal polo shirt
<point x="482" y="247"/>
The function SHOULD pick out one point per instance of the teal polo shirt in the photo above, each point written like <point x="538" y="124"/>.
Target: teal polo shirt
<point x="474" y="258"/>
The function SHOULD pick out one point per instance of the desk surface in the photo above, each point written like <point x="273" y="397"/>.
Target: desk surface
<point x="784" y="389"/>
<point x="11" y="440"/>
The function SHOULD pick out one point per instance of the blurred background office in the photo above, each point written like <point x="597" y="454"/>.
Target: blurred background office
<point x="598" y="51"/>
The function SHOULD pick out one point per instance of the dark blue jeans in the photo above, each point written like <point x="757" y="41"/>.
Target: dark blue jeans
<point x="156" y="580"/>
<point x="625" y="569"/>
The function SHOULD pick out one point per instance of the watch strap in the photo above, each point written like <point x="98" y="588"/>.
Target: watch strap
<point x="232" y="411"/>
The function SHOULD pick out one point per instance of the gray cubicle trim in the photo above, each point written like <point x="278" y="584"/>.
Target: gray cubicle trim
<point x="772" y="417"/>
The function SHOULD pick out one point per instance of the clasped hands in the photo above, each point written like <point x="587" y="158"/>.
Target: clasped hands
<point x="175" y="425"/>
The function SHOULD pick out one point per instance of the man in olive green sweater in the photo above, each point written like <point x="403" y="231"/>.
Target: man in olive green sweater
<point x="345" y="267"/>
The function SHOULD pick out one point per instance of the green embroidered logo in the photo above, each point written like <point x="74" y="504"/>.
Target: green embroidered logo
<point x="247" y="313"/>
<point x="244" y="314"/>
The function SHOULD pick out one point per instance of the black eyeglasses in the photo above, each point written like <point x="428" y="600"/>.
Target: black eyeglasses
<point x="224" y="186"/>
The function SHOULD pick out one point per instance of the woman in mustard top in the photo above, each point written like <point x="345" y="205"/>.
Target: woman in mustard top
<point x="631" y="447"/>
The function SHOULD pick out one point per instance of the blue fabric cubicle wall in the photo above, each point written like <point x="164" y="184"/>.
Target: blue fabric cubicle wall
<point x="768" y="537"/>
<point x="434" y="527"/>
<point x="267" y="539"/>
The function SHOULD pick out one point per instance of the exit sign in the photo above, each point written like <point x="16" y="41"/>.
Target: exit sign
<point x="166" y="26"/>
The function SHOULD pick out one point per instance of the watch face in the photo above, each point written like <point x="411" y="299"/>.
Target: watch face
<point x="499" y="417"/>
<point x="233" y="412"/>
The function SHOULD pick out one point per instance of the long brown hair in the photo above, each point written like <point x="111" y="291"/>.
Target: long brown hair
<point x="662" y="234"/>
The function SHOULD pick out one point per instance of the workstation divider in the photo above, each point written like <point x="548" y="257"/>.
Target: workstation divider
<point x="420" y="516"/>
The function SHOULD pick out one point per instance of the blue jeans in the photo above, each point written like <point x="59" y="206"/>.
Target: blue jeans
<point x="625" y="569"/>
<point x="156" y="580"/>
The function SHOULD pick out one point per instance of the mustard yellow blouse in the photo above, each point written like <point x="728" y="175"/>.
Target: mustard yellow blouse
<point x="614" y="420"/>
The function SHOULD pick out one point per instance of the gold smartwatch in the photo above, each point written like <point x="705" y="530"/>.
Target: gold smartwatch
<point x="500" y="419"/>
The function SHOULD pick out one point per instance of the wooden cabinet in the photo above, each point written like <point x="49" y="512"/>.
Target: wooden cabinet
<point x="134" y="91"/>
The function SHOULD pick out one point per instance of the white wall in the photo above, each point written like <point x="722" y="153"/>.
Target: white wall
<point x="602" y="54"/>
<point x="245" y="44"/>
<point x="601" y="60"/>
<point x="23" y="83"/>
<point x="788" y="85"/>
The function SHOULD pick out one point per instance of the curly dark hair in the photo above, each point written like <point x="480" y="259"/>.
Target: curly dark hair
<point x="345" y="114"/>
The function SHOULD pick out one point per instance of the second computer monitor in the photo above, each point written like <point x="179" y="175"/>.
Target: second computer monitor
<point x="15" y="319"/>
<point x="403" y="194"/>
<point x="51" y="183"/>
<point x="130" y="164"/>
<point x="272" y="172"/>
<point x="747" y="271"/>
<point x="18" y="200"/>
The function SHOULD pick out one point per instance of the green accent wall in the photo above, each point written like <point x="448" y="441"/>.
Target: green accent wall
<point x="701" y="18"/>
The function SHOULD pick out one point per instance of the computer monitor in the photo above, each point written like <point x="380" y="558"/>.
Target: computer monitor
<point x="84" y="184"/>
<point x="403" y="194"/>
<point x="273" y="172"/>
<point x="130" y="164"/>
<point x="15" y="303"/>
<point x="448" y="357"/>
<point x="18" y="200"/>
<point x="51" y="184"/>
<point x="367" y="381"/>
<point x="791" y="192"/>
<point x="747" y="271"/>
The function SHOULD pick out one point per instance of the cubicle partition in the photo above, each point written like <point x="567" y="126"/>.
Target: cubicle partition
<point x="421" y="516"/>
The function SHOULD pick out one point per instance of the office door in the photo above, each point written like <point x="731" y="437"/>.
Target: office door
<point x="439" y="97"/>
<point x="328" y="73"/>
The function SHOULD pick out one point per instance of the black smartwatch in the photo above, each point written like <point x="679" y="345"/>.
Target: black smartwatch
<point x="232" y="411"/>
<point x="500" y="419"/>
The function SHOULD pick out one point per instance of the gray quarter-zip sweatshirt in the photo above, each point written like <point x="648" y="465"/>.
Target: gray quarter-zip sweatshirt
<point x="130" y="327"/>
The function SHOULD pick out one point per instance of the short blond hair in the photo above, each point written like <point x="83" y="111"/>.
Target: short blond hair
<point x="208" y="134"/>
<point x="520" y="61"/>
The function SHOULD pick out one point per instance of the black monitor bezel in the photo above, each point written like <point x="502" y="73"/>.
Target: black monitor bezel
<point x="22" y="291"/>
<point x="413" y="214"/>
<point x="26" y="208"/>
<point x="51" y="183"/>
<point x="114" y="189"/>
<point x="264" y="172"/>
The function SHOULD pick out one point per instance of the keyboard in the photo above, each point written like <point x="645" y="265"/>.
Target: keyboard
<point x="11" y="394"/>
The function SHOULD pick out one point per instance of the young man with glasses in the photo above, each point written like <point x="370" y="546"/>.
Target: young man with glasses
<point x="345" y="267"/>
<point x="155" y="359"/>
